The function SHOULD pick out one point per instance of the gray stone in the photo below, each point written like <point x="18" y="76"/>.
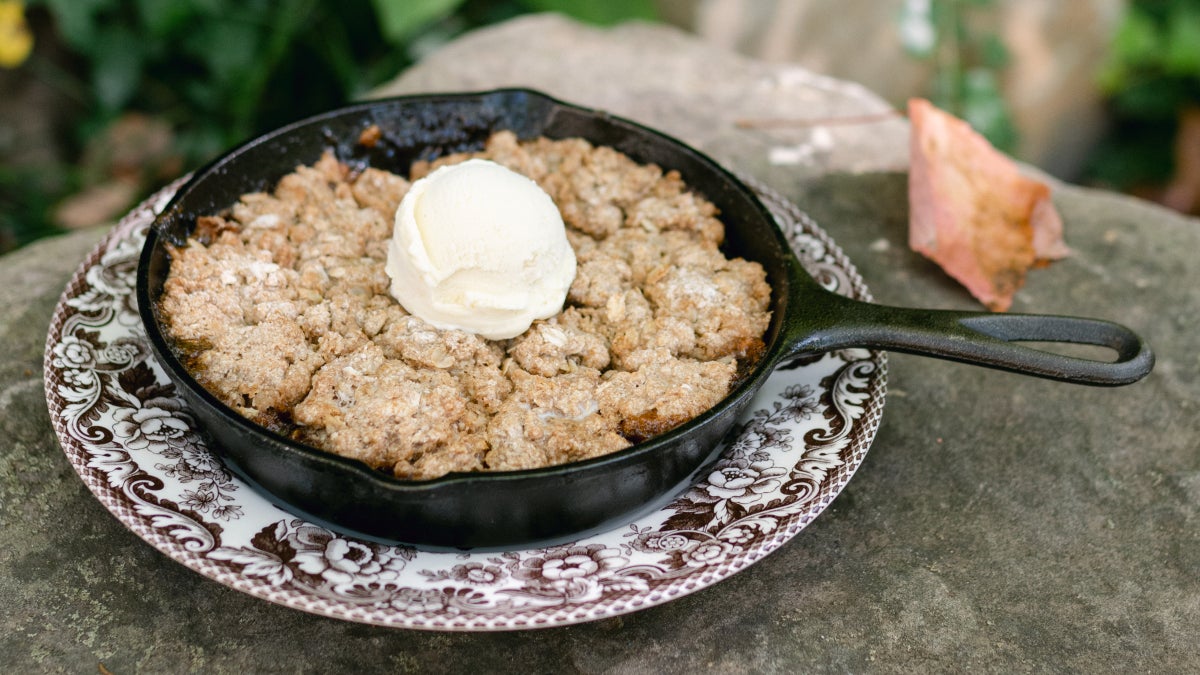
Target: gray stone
<point x="730" y="106"/>
<point x="999" y="523"/>
<point x="1055" y="52"/>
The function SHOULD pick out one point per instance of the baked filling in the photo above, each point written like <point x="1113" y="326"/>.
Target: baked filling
<point x="280" y="308"/>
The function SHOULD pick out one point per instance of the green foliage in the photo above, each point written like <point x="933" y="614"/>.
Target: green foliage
<point x="984" y="107"/>
<point x="1152" y="73"/>
<point x="221" y="71"/>
<point x="966" y="64"/>
<point x="599" y="12"/>
<point x="1136" y="154"/>
<point x="1182" y="53"/>
<point x="1153" y="67"/>
<point x="401" y="19"/>
<point x="213" y="67"/>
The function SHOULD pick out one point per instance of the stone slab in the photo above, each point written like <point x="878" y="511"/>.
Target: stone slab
<point x="727" y="105"/>
<point x="999" y="523"/>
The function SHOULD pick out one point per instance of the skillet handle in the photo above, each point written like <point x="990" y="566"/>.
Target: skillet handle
<point x="980" y="338"/>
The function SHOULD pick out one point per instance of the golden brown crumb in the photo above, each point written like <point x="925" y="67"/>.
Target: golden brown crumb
<point x="370" y="136"/>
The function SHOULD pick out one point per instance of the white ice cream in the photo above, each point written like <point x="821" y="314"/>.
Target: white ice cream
<point x="480" y="248"/>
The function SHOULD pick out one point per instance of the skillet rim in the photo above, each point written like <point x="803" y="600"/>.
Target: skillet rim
<point x="745" y="388"/>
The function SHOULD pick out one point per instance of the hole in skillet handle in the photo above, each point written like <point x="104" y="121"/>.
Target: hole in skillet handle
<point x="497" y="509"/>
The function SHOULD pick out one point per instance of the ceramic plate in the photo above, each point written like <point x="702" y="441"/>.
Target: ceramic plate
<point x="136" y="447"/>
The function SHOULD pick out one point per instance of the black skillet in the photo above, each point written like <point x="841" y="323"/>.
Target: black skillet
<point x="519" y="507"/>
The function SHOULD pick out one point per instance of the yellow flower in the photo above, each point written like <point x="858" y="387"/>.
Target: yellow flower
<point x="16" y="41"/>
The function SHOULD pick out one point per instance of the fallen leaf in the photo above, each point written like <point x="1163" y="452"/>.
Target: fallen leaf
<point x="972" y="212"/>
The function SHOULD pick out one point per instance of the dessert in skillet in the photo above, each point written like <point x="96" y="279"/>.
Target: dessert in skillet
<point x="422" y="328"/>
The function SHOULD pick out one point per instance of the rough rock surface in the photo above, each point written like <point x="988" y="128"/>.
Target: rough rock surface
<point x="727" y="105"/>
<point x="999" y="523"/>
<point x="1055" y="50"/>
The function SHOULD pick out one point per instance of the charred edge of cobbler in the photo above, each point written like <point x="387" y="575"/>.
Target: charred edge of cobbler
<point x="643" y="427"/>
<point x="208" y="228"/>
<point x="277" y="421"/>
<point x="747" y="360"/>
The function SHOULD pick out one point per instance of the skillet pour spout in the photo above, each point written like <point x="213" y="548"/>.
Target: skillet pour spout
<point x="507" y="509"/>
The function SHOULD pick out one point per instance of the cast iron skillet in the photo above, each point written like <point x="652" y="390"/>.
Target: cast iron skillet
<point x="519" y="507"/>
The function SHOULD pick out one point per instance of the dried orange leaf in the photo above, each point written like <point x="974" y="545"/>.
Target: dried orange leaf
<point x="972" y="212"/>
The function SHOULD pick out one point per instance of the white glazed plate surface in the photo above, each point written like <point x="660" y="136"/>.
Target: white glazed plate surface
<point x="134" y="443"/>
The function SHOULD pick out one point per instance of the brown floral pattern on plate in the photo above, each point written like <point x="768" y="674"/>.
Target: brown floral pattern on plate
<point x="135" y="445"/>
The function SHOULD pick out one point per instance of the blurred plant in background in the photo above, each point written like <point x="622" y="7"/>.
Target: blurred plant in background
<point x="967" y="58"/>
<point x="144" y="90"/>
<point x="106" y="100"/>
<point x="1152" y="79"/>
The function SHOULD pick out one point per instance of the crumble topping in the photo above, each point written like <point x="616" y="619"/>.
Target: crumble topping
<point x="281" y="309"/>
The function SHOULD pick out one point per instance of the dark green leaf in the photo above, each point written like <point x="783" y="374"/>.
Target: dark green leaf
<point x="160" y="18"/>
<point x="1153" y="97"/>
<point x="116" y="67"/>
<point x="1137" y="41"/>
<point x="399" y="20"/>
<point x="76" y="21"/>
<point x="1135" y="155"/>
<point x="597" y="12"/>
<point x="227" y="48"/>
<point x="1182" y="53"/>
<point x="203" y="142"/>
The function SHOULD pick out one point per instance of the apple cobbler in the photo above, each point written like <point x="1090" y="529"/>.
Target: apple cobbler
<point x="280" y="308"/>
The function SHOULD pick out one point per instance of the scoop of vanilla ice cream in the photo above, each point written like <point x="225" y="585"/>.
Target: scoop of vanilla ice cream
<point x="480" y="248"/>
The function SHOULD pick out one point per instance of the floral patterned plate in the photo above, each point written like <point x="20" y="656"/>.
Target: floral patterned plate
<point x="135" y="445"/>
